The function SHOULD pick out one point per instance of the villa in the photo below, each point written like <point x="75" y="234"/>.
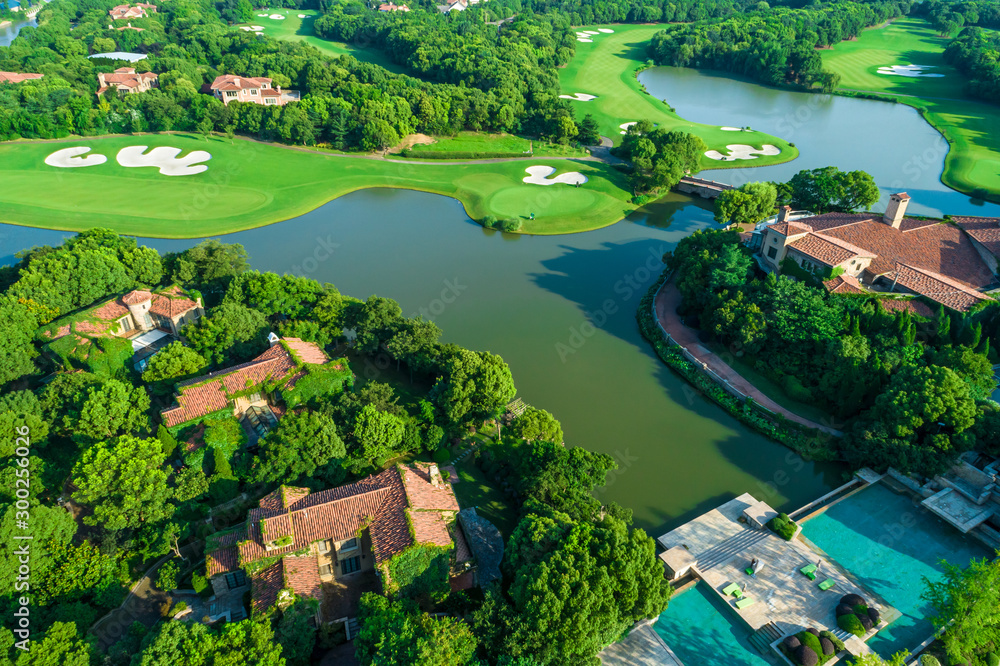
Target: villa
<point x="128" y="80"/>
<point x="140" y="10"/>
<point x="454" y="6"/>
<point x="15" y="77"/>
<point x="390" y="7"/>
<point x="253" y="89"/>
<point x="320" y="544"/>
<point x="948" y="264"/>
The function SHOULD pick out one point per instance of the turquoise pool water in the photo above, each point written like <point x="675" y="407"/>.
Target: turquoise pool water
<point x="703" y="632"/>
<point x="890" y="544"/>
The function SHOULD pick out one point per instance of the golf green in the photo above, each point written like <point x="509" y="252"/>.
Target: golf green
<point x="249" y="184"/>
<point x="970" y="127"/>
<point x="606" y="67"/>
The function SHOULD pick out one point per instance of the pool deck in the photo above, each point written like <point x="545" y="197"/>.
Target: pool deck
<point x="719" y="545"/>
<point x="642" y="647"/>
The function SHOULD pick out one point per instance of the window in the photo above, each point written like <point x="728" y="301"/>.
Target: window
<point x="236" y="579"/>
<point x="231" y="93"/>
<point x="326" y="570"/>
<point x="772" y="252"/>
<point x="253" y="91"/>
<point x="324" y="546"/>
<point x="125" y="323"/>
<point x="350" y="544"/>
<point x="350" y="565"/>
<point x="774" y="239"/>
<point x="269" y="100"/>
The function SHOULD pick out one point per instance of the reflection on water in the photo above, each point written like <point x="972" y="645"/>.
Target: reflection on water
<point x="889" y="141"/>
<point x="561" y="311"/>
<point x="9" y="32"/>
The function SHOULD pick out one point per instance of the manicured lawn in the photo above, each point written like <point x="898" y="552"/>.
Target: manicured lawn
<point x="250" y="184"/>
<point x="295" y="29"/>
<point x="474" y="489"/>
<point x="475" y="142"/>
<point x="970" y="127"/>
<point x="606" y="68"/>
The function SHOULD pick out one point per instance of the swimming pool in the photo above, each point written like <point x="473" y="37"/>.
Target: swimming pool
<point x="889" y="544"/>
<point x="703" y="632"/>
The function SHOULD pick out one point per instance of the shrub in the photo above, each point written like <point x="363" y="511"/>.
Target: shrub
<point x="992" y="659"/>
<point x="843" y="609"/>
<point x="852" y="600"/>
<point x="181" y="605"/>
<point x="929" y="660"/>
<point x="489" y="222"/>
<point x="811" y="641"/>
<point x="167" y="441"/>
<point x="874" y="616"/>
<point x="866" y="622"/>
<point x="441" y="456"/>
<point x="805" y="656"/>
<point x="827" y="645"/>
<point x="851" y="624"/>
<point x="201" y="585"/>
<point x="792" y="642"/>
<point x="837" y="643"/>
<point x="166" y="577"/>
<point x="511" y="224"/>
<point x="783" y="526"/>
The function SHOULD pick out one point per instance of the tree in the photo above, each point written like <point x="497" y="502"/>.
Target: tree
<point x="830" y="189"/>
<point x="302" y="443"/>
<point x="966" y="604"/>
<point x="228" y="333"/>
<point x="166" y="577"/>
<point x="209" y="265"/>
<point x="378" y="433"/>
<point x="898" y="659"/>
<point x="173" y="362"/>
<point x="191" y="484"/>
<point x="375" y="322"/>
<point x="748" y="204"/>
<point x="474" y="385"/>
<point x="124" y="482"/>
<point x="249" y="642"/>
<point x="111" y="409"/>
<point x="537" y="424"/>
<point x="396" y="633"/>
<point x="62" y="646"/>
<point x="589" y="131"/>
<point x="974" y="369"/>
<point x="296" y="631"/>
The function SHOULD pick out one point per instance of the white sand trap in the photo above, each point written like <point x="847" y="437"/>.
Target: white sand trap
<point x="591" y="32"/>
<point x="912" y="71"/>
<point x="258" y="33"/>
<point x="579" y="97"/>
<point x="624" y="126"/>
<point x="69" y="158"/>
<point x="539" y="176"/>
<point x="740" y="151"/>
<point x="731" y="129"/>
<point x="276" y="17"/>
<point x="606" y="31"/>
<point x="302" y="15"/>
<point x="583" y="39"/>
<point x="165" y="159"/>
<point x="262" y="15"/>
<point x="252" y="28"/>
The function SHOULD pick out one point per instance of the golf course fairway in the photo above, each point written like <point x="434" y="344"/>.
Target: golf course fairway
<point x="971" y="127"/>
<point x="606" y="67"/>
<point x="250" y="184"/>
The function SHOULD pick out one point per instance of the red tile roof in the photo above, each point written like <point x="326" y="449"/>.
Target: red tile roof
<point x="827" y="249"/>
<point x="169" y="306"/>
<point x="986" y="230"/>
<point x="307" y="352"/>
<point x="912" y="305"/>
<point x="299" y="574"/>
<point x="136" y="297"/>
<point x="790" y="228"/>
<point x="939" y="288"/>
<point x="15" y="77"/>
<point x="233" y="82"/>
<point x="844" y="284"/>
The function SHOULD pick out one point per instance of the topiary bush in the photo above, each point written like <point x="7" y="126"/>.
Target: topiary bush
<point x="843" y="609"/>
<point x="874" y="616"/>
<point x="827" y="645"/>
<point x="511" y="224"/>
<point x="811" y="641"/>
<point x="992" y="659"/>
<point x="783" y="526"/>
<point x="489" y="222"/>
<point x="851" y="624"/>
<point x="791" y="643"/>
<point x="805" y="656"/>
<point x="852" y="600"/>
<point x="929" y="660"/>
<point x="866" y="622"/>
<point x="837" y="643"/>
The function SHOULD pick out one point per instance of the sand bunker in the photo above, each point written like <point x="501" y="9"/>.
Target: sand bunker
<point x="740" y="151"/>
<point x="912" y="71"/>
<point x="579" y="97"/>
<point x="69" y="158"/>
<point x="581" y="39"/>
<point x="539" y="176"/>
<point x="731" y="129"/>
<point x="252" y="28"/>
<point x="276" y="17"/>
<point x="591" y="32"/>
<point x="262" y="15"/>
<point x="624" y="126"/>
<point x="165" y="159"/>
<point x="605" y="30"/>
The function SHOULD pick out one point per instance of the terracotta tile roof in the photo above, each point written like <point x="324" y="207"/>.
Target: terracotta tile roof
<point x="462" y="551"/>
<point x="265" y="586"/>
<point x="939" y="288"/>
<point x="424" y="494"/>
<point x="15" y="77"/>
<point x="137" y="297"/>
<point x="276" y="527"/>
<point x="986" y="230"/>
<point x="307" y="352"/>
<point x="790" y="228"/>
<point x="298" y="574"/>
<point x="194" y="402"/>
<point x="110" y="311"/>
<point x="429" y="527"/>
<point x="226" y="557"/>
<point x="827" y="249"/>
<point x="844" y="284"/>
<point x="912" y="305"/>
<point x="171" y="307"/>
<point x="233" y="82"/>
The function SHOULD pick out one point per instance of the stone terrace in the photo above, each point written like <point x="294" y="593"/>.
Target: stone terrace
<point x="721" y="544"/>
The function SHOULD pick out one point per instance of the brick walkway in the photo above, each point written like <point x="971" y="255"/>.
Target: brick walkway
<point x="667" y="301"/>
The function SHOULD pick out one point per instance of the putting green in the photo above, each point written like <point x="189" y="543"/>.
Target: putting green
<point x="970" y="127"/>
<point x="606" y="68"/>
<point x="251" y="184"/>
<point x="295" y="29"/>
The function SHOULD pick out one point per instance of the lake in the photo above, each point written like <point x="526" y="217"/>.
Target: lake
<point x="561" y="312"/>
<point x="9" y="32"/>
<point x="889" y="141"/>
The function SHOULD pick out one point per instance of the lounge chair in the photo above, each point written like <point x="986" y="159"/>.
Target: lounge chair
<point x="732" y="588"/>
<point x="744" y="602"/>
<point x="827" y="584"/>
<point x="809" y="571"/>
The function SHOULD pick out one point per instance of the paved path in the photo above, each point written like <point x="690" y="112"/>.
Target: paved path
<point x="667" y="301"/>
<point x="642" y="647"/>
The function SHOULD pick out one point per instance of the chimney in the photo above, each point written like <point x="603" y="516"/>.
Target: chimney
<point x="783" y="213"/>
<point x="236" y="80"/>
<point x="896" y="209"/>
<point x="434" y="474"/>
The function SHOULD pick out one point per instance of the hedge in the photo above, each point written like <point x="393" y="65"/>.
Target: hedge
<point x="852" y="624"/>
<point x="783" y="526"/>
<point x="810" y="444"/>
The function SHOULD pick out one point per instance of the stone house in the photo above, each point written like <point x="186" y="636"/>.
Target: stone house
<point x="126" y="79"/>
<point x="140" y="10"/>
<point x="253" y="89"/>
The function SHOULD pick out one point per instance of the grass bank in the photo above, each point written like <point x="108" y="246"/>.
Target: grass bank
<point x="607" y="67"/>
<point x="250" y="184"/>
<point x="969" y="126"/>
<point x="480" y="144"/>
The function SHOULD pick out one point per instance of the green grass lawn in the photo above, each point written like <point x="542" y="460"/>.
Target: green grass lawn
<point x="295" y="29"/>
<point x="474" y="489"/>
<point x="251" y="184"/>
<point x="606" y="68"/>
<point x="477" y="142"/>
<point x="970" y="127"/>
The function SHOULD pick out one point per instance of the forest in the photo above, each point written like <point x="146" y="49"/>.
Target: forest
<point x="948" y="17"/>
<point x="908" y="391"/>
<point x="140" y="491"/>
<point x="347" y="104"/>
<point x="976" y="53"/>
<point x="773" y="45"/>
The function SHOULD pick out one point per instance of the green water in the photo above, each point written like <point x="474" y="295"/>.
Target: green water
<point x="701" y="630"/>
<point x="890" y="544"/>
<point x="561" y="311"/>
